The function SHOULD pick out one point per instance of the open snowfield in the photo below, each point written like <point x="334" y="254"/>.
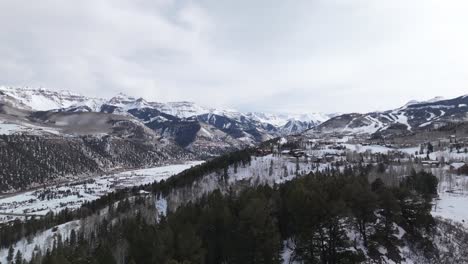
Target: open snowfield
<point x="453" y="207"/>
<point x="56" y="198"/>
<point x="73" y="195"/>
<point x="453" y="198"/>
<point x="452" y="202"/>
<point x="11" y="129"/>
<point x="40" y="242"/>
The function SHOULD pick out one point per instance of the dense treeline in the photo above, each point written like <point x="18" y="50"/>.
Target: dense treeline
<point x="15" y="231"/>
<point x="319" y="218"/>
<point x="19" y="229"/>
<point x="35" y="160"/>
<point x="218" y="164"/>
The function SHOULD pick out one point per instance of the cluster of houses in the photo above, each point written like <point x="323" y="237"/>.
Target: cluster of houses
<point x="458" y="167"/>
<point x="333" y="150"/>
<point x="325" y="158"/>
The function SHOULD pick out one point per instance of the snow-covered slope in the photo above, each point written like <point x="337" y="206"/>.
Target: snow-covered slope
<point x="44" y="99"/>
<point x="433" y="100"/>
<point x="65" y="101"/>
<point x="413" y="116"/>
<point x="296" y="126"/>
<point x="121" y="116"/>
<point x="183" y="109"/>
<point x="281" y="119"/>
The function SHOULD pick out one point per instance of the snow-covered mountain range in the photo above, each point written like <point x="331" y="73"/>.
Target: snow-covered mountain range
<point x="45" y="100"/>
<point x="196" y="128"/>
<point x="125" y="131"/>
<point x="412" y="117"/>
<point x="281" y="119"/>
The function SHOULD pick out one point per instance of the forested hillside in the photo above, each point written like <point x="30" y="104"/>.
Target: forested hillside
<point x="319" y="218"/>
<point x="251" y="206"/>
<point x="27" y="161"/>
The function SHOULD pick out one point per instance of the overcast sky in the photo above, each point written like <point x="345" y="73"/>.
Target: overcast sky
<point x="261" y="55"/>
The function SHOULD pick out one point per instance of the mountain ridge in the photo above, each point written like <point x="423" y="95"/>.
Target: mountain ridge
<point x="44" y="99"/>
<point x="243" y="128"/>
<point x="411" y="117"/>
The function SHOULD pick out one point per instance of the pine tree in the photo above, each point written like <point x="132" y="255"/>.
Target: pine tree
<point x="270" y="171"/>
<point x="298" y="168"/>
<point x="72" y="238"/>
<point x="225" y="174"/>
<point x="363" y="203"/>
<point x="11" y="254"/>
<point x="19" y="258"/>
<point x="258" y="239"/>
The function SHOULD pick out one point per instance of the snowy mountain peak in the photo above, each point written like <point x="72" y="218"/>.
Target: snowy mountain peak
<point x="184" y="109"/>
<point x="281" y="119"/>
<point x="296" y="126"/>
<point x="121" y="99"/>
<point x="422" y="115"/>
<point x="433" y="100"/>
<point x="412" y="102"/>
<point x="43" y="99"/>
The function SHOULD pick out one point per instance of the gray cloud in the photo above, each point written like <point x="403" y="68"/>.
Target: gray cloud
<point x="323" y="55"/>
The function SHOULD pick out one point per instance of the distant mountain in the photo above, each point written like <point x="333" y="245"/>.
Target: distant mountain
<point x="295" y="127"/>
<point x="67" y="116"/>
<point x="183" y="109"/>
<point x="41" y="146"/>
<point x="412" y="117"/>
<point x="281" y="119"/>
<point x="43" y="99"/>
<point x="242" y="128"/>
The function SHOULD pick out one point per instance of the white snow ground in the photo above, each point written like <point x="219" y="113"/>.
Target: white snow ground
<point x="452" y="202"/>
<point x="10" y="129"/>
<point x="80" y="192"/>
<point x="73" y="195"/>
<point x="42" y="241"/>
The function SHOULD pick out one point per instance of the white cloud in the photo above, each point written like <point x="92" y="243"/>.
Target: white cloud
<point x="337" y="55"/>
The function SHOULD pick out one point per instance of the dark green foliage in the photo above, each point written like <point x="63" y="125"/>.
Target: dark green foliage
<point x="27" y="160"/>
<point x="363" y="203"/>
<point x="422" y="182"/>
<point x="11" y="254"/>
<point x="15" y="231"/>
<point x="314" y="212"/>
<point x="103" y="255"/>
<point x="242" y="158"/>
<point x="19" y="257"/>
<point x="430" y="148"/>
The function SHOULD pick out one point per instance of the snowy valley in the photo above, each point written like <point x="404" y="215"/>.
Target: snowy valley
<point x="89" y="166"/>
